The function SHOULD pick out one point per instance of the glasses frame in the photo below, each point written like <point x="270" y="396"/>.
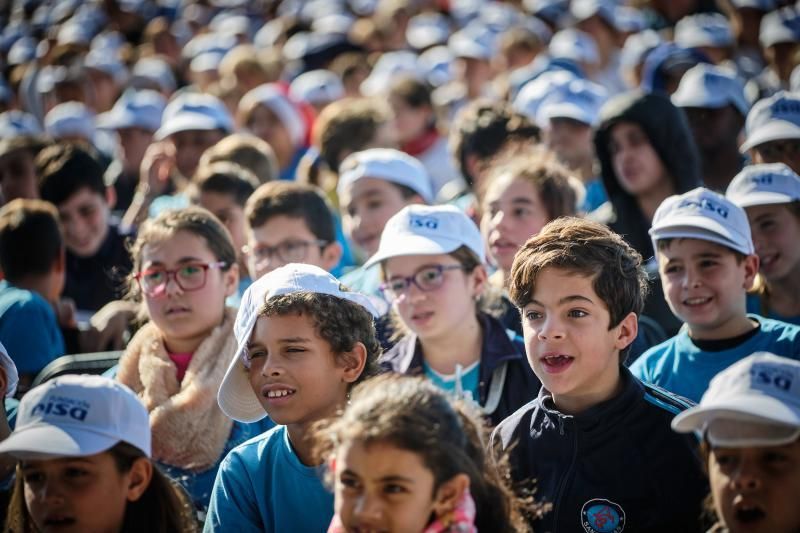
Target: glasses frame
<point x="391" y="294"/>
<point x="273" y="251"/>
<point x="173" y="273"/>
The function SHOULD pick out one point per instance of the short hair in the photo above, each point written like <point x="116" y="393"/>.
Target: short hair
<point x="30" y="238"/>
<point x="588" y="249"/>
<point x="295" y="200"/>
<point x="665" y="243"/>
<point x="64" y="169"/>
<point x="242" y="58"/>
<point x="226" y="178"/>
<point x="483" y="128"/>
<point x="33" y="144"/>
<point x="519" y="37"/>
<point x="415" y="93"/>
<point x="245" y="150"/>
<point x="341" y="323"/>
<point x="348" y="126"/>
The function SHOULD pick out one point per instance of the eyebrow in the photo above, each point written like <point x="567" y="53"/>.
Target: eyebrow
<point x="521" y="200"/>
<point x="763" y="216"/>
<point x="567" y="299"/>
<point x="292" y="340"/>
<point x="187" y="259"/>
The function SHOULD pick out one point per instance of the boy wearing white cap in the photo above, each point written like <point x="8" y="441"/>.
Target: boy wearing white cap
<point x="770" y="194"/>
<point x="773" y="130"/>
<point x="707" y="262"/>
<point x="749" y="420"/>
<point x="303" y="341"/>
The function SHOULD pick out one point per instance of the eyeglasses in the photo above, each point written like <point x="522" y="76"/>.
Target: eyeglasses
<point x="426" y="279"/>
<point x="287" y="251"/>
<point x="189" y="277"/>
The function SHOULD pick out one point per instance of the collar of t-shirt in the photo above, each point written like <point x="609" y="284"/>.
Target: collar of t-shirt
<point x="181" y="361"/>
<point x="720" y="345"/>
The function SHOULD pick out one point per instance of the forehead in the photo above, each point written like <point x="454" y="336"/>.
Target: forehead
<point x="364" y="188"/>
<point x="553" y="284"/>
<point x="624" y="129"/>
<point x="273" y="328"/>
<point x="280" y="228"/>
<point x="686" y="248"/>
<point x="508" y="188"/>
<point x="216" y="201"/>
<point x="405" y="265"/>
<point x="381" y="459"/>
<point x="81" y="198"/>
<point x="172" y="247"/>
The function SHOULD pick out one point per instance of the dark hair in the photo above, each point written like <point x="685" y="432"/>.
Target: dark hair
<point x="415" y="93"/>
<point x="163" y="507"/>
<point x="64" y="169"/>
<point x="450" y="438"/>
<point x="30" y="238"/>
<point x="226" y="178"/>
<point x="294" y="200"/>
<point x="196" y="220"/>
<point x="588" y="249"/>
<point x="32" y="144"/>
<point x="665" y="243"/>
<point x="483" y="128"/>
<point x="347" y="126"/>
<point x="341" y="323"/>
<point x="248" y="151"/>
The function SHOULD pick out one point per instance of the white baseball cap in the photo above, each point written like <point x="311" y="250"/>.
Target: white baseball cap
<point x="426" y="30"/>
<point x="390" y="66"/>
<point x="574" y="45"/>
<point x="765" y="184"/>
<point x="316" y="87"/>
<point x="780" y="26"/>
<point x="70" y="118"/>
<point x="271" y="96"/>
<point x="385" y="164"/>
<point x="772" y="119"/>
<point x="705" y="215"/>
<point x="194" y="111"/>
<point x="236" y="397"/>
<point x="754" y="402"/>
<point x="579" y="100"/>
<point x="704" y="29"/>
<point x="12" y="376"/>
<point x="78" y="415"/>
<point x="711" y="87"/>
<point x="139" y="109"/>
<point x="427" y="230"/>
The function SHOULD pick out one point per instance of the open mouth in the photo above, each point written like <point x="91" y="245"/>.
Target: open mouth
<point x="695" y="302"/>
<point x="557" y="362"/>
<point x="177" y="310"/>
<point x="746" y="514"/>
<point x="768" y="260"/>
<point x="421" y="316"/>
<point x="279" y="393"/>
<point x="59" y="522"/>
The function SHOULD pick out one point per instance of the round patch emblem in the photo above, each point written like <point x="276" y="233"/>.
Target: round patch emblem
<point x="602" y="516"/>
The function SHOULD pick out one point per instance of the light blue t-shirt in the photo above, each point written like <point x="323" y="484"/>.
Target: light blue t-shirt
<point x="754" y="306"/>
<point x="262" y="486"/>
<point x="28" y="329"/>
<point x="682" y="368"/>
<point x="470" y="379"/>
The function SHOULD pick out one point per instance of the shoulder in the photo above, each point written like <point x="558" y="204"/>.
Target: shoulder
<point x="514" y="426"/>
<point x="654" y="356"/>
<point x="777" y="328"/>
<point x="254" y="452"/>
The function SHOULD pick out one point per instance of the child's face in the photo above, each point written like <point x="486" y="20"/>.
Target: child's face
<point x="568" y="341"/>
<point x="265" y="124"/>
<point x="776" y="232"/>
<point x="230" y="213"/>
<point x="76" y="493"/>
<point x="366" y="206"/>
<point x="380" y="487"/>
<point x="441" y="311"/>
<point x="513" y="212"/>
<point x="282" y="240"/>
<point x="84" y="217"/>
<point x="635" y="161"/>
<point x="190" y="145"/>
<point x="294" y="372"/>
<point x="409" y="122"/>
<point x="18" y="176"/>
<point x="184" y="317"/>
<point x="571" y="141"/>
<point x="756" y="489"/>
<point x="705" y="286"/>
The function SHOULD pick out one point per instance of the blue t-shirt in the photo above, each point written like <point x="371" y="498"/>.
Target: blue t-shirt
<point x="682" y="368"/>
<point x="470" y="379"/>
<point x="262" y="486"/>
<point x="595" y="195"/>
<point x="28" y="329"/>
<point x="754" y="306"/>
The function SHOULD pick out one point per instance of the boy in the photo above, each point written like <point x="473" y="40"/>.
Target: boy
<point x="707" y="262"/>
<point x="289" y="223"/>
<point x="32" y="261"/>
<point x="17" y="169"/>
<point x="596" y="441"/>
<point x="773" y="130"/>
<point x="303" y="342"/>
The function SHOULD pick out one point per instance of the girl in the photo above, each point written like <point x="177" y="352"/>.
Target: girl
<point x="750" y="422"/>
<point x="770" y="194"/>
<point x="184" y="266"/>
<point x="83" y="445"/>
<point x="431" y="259"/>
<point x="404" y="458"/>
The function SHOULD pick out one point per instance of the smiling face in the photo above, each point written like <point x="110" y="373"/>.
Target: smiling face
<point x="755" y="489"/>
<point x="638" y="168"/>
<point x="512" y="213"/>
<point x="705" y="286"/>
<point x="776" y="232"/>
<point x="228" y="212"/>
<point x="84" y="217"/>
<point x="568" y="341"/>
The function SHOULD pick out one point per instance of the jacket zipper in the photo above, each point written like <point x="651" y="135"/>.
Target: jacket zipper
<point x="568" y="474"/>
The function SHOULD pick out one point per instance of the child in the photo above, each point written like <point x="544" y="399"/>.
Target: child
<point x="770" y="195"/>
<point x="32" y="262"/>
<point x="289" y="223"/>
<point x="404" y="458"/>
<point x="707" y="263"/>
<point x="596" y="441"/>
<point x="303" y="341"/>
<point x="83" y="445"/>
<point x="17" y="166"/>
<point x="749" y="420"/>
<point x="432" y="261"/>
<point x="184" y="269"/>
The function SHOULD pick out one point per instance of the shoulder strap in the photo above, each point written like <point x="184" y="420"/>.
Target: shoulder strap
<point x="496" y="388"/>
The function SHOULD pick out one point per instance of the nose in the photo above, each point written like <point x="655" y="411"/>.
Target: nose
<point x="171" y="287"/>
<point x="551" y="329"/>
<point x="746" y="477"/>
<point x="691" y="278"/>
<point x="50" y="493"/>
<point x="368" y="510"/>
<point x="498" y="219"/>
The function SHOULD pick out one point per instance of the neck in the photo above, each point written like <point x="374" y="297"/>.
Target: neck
<point x="733" y="327"/>
<point x="42" y="285"/>
<point x="650" y="200"/>
<point x="189" y="344"/>
<point x="782" y="294"/>
<point x="585" y="171"/>
<point x="461" y="346"/>
<point x="574" y="404"/>
<point x="720" y="166"/>
<point x="302" y="443"/>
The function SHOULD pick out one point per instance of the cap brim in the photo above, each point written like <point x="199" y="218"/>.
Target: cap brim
<point x="772" y="131"/>
<point x="751" y="408"/>
<point x="47" y="440"/>
<point x="698" y="227"/>
<point x="116" y="121"/>
<point x="698" y="99"/>
<point x="761" y="198"/>
<point x="187" y="122"/>
<point x="565" y="110"/>
<point x="411" y="244"/>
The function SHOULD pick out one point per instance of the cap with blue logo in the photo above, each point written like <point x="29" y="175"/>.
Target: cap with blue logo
<point x="772" y="119"/>
<point x="574" y="45"/>
<point x="194" y="111"/>
<point x="78" y="415"/>
<point x="134" y="109"/>
<point x="780" y="26"/>
<point x="711" y="30"/>
<point x="427" y="230"/>
<point x="705" y="215"/>
<point x="70" y="119"/>
<point x="712" y="87"/>
<point x="316" y="87"/>
<point x="766" y="184"/>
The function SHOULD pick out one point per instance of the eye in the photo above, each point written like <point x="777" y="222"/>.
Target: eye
<point x="255" y="352"/>
<point x="707" y="263"/>
<point x="533" y="315"/>
<point x="75" y="473"/>
<point x="349" y="482"/>
<point x="428" y="275"/>
<point x="153" y="276"/>
<point x="394" y="488"/>
<point x="374" y="204"/>
<point x="32" y="477"/>
<point x="189" y="271"/>
<point x="672" y="269"/>
<point x="521" y="212"/>
<point x="577" y="313"/>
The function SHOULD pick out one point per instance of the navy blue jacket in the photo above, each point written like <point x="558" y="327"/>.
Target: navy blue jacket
<point x="617" y="465"/>
<point x="520" y="384"/>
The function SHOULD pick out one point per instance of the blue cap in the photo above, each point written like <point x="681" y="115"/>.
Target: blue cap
<point x="533" y="93"/>
<point x="781" y="26"/>
<point x="134" y="109"/>
<point x="710" y="86"/>
<point x="574" y="45"/>
<point x="70" y="119"/>
<point x="15" y="123"/>
<point x="579" y="100"/>
<point x="704" y="29"/>
<point x="194" y="111"/>
<point x="773" y="119"/>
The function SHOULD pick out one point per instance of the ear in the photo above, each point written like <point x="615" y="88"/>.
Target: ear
<point x="111" y="197"/>
<point x="449" y="495"/>
<point x="354" y="362"/>
<point x="139" y="478"/>
<point x="479" y="280"/>
<point x="231" y="279"/>
<point x="60" y="264"/>
<point x="331" y="255"/>
<point x="751" y="263"/>
<point x="626" y="331"/>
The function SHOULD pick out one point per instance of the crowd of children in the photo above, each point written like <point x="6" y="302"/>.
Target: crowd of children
<point x="400" y="266"/>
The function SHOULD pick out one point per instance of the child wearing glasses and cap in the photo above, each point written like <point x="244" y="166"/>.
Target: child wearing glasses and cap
<point x="432" y="262"/>
<point x="749" y="421"/>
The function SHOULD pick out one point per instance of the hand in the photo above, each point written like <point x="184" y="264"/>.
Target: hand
<point x="108" y="327"/>
<point x="65" y="313"/>
<point x="157" y="166"/>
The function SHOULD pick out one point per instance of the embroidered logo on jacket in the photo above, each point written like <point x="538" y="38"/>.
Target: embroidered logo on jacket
<point x="602" y="516"/>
